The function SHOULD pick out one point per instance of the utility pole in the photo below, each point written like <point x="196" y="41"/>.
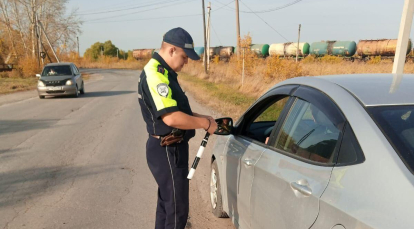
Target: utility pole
<point x="403" y="37"/>
<point x="77" y="38"/>
<point x="238" y="27"/>
<point x="205" y="40"/>
<point x="48" y="41"/>
<point x="38" y="43"/>
<point x="208" y="36"/>
<point x="117" y="53"/>
<point x="297" y="48"/>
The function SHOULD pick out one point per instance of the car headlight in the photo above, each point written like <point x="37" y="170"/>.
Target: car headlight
<point x="69" y="82"/>
<point x="40" y="84"/>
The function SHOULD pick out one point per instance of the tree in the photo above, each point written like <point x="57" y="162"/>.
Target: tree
<point x="107" y="48"/>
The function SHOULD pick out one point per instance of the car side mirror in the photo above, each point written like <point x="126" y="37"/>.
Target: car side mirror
<point x="224" y="126"/>
<point x="38" y="75"/>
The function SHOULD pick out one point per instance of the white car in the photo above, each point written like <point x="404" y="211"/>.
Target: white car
<point x="320" y="152"/>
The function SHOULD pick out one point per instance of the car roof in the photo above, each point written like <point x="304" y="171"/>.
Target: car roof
<point x="370" y="89"/>
<point x="59" y="64"/>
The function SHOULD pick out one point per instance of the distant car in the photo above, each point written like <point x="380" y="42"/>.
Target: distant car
<point x="59" y="79"/>
<point x="320" y="152"/>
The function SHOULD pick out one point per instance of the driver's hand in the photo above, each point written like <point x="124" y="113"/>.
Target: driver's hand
<point x="213" y="127"/>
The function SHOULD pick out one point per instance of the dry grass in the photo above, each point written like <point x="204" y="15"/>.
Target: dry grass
<point x="222" y="88"/>
<point x="10" y="85"/>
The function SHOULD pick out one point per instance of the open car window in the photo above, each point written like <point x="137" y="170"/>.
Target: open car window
<point x="260" y="125"/>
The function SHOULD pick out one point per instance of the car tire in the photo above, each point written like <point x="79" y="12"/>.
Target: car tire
<point x="41" y="96"/>
<point x="216" y="198"/>
<point x="76" y="95"/>
<point x="82" y="90"/>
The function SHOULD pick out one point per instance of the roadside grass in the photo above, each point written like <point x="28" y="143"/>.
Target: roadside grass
<point x="220" y="97"/>
<point x="10" y="85"/>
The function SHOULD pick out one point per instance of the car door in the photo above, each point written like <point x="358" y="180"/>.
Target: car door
<point x="245" y="149"/>
<point x="76" y="76"/>
<point x="293" y="172"/>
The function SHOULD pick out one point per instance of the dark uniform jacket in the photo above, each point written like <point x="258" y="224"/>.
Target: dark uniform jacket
<point x="159" y="93"/>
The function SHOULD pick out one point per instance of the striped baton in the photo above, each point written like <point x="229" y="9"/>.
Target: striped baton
<point x="198" y="156"/>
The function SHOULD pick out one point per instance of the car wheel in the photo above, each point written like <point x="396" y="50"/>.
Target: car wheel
<point x="215" y="193"/>
<point x="41" y="96"/>
<point x="76" y="93"/>
<point x="82" y="90"/>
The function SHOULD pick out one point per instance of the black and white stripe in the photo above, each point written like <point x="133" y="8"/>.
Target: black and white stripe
<point x="198" y="156"/>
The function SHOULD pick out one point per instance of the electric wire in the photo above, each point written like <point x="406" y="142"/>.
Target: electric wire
<point x="125" y="9"/>
<point x="144" y="19"/>
<point x="122" y="15"/>
<point x="216" y="34"/>
<point x="264" y="11"/>
<point x="265" y="22"/>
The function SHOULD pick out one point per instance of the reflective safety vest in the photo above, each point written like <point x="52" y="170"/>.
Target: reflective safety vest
<point x="160" y="93"/>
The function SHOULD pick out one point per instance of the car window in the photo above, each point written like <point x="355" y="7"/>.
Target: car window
<point x="397" y="124"/>
<point x="58" y="70"/>
<point x="75" y="70"/>
<point x="350" y="151"/>
<point x="308" y="132"/>
<point x="261" y="124"/>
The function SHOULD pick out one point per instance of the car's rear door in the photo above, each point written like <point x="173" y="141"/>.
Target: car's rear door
<point x="293" y="172"/>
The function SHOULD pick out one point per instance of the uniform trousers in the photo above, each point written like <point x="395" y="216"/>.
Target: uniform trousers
<point x="169" y="166"/>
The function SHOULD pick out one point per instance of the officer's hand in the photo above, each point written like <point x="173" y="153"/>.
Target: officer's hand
<point x="213" y="127"/>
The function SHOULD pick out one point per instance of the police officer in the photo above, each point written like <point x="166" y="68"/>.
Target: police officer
<point x="166" y="110"/>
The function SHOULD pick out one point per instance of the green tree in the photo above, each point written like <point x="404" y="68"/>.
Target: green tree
<point x="96" y="49"/>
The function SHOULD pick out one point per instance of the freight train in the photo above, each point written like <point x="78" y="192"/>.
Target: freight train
<point x="347" y="49"/>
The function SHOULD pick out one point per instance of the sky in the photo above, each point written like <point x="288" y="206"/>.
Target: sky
<point x="134" y="24"/>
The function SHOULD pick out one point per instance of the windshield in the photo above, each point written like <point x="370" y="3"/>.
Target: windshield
<point x="397" y="124"/>
<point x="63" y="70"/>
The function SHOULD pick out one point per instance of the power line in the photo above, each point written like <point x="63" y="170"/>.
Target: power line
<point x="216" y="34"/>
<point x="143" y="19"/>
<point x="265" y="22"/>
<point x="265" y="11"/>
<point x="224" y="5"/>
<point x="124" y="9"/>
<point x="122" y="15"/>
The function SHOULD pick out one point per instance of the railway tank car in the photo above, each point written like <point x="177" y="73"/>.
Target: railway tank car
<point x="289" y="49"/>
<point x="334" y="48"/>
<point x="381" y="47"/>
<point x="140" y="54"/>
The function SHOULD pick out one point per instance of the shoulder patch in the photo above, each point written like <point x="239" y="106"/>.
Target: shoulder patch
<point x="163" y="90"/>
<point x="161" y="69"/>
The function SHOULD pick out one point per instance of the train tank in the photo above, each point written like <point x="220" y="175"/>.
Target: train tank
<point x="382" y="47"/>
<point x="140" y="54"/>
<point x="335" y="48"/>
<point x="289" y="49"/>
<point x="261" y="50"/>
<point x="199" y="51"/>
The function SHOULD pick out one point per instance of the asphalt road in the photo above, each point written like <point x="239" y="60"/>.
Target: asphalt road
<point x="80" y="162"/>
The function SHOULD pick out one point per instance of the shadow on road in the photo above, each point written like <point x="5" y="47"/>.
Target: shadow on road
<point x="105" y="93"/>
<point x="16" y="187"/>
<point x="14" y="126"/>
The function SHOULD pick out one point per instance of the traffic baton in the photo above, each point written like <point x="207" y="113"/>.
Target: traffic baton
<point x="198" y="156"/>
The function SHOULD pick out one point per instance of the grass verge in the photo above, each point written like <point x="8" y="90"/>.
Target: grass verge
<point x="220" y="97"/>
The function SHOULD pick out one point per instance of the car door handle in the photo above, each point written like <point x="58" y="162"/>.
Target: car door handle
<point x="248" y="162"/>
<point x="304" y="189"/>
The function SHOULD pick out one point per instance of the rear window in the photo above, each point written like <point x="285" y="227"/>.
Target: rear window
<point x="397" y="124"/>
<point x="63" y="70"/>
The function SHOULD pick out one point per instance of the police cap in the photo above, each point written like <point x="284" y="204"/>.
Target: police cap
<point x="181" y="38"/>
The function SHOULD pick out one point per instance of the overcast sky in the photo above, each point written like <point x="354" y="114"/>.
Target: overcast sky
<point x="134" y="24"/>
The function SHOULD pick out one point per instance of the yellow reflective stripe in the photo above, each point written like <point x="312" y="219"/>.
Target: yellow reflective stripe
<point x="155" y="80"/>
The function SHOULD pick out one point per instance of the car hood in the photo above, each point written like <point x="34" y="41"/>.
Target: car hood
<point x="55" y="78"/>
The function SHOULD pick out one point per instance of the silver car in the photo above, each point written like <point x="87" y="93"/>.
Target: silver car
<point x="59" y="79"/>
<point x="320" y="152"/>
